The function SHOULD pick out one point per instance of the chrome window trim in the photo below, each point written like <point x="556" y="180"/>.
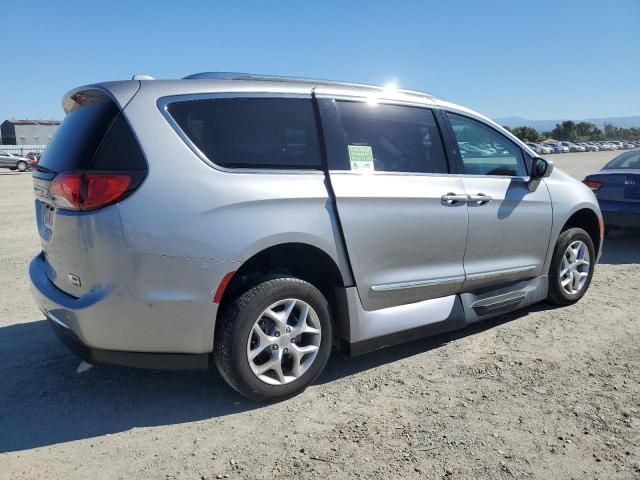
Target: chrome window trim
<point x="424" y="174"/>
<point x="163" y="103"/>
<point x="390" y="287"/>
<point x="366" y="97"/>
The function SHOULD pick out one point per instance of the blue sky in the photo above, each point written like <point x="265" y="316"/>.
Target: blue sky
<point x="538" y="59"/>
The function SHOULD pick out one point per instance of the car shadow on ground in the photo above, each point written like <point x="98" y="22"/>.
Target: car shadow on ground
<point x="621" y="247"/>
<point x="43" y="401"/>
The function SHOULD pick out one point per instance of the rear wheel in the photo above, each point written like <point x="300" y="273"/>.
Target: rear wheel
<point x="571" y="267"/>
<point x="274" y="339"/>
<point x="22" y="166"/>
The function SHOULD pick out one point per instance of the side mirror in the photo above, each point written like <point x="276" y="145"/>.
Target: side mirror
<point x="541" y="168"/>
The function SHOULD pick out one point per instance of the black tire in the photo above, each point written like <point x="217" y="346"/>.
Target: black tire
<point x="557" y="294"/>
<point x="235" y="326"/>
<point x="22" y="166"/>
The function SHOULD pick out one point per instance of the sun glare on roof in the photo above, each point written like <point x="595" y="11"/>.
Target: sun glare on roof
<point x="390" y="88"/>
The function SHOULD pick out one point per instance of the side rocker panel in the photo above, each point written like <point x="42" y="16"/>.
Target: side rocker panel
<point x="487" y="303"/>
<point x="366" y="331"/>
<point x="370" y="330"/>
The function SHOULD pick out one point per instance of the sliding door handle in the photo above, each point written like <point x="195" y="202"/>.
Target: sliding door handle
<point x="479" y="199"/>
<point x="454" y="199"/>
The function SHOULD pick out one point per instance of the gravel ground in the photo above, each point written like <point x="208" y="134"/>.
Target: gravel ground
<point x="543" y="393"/>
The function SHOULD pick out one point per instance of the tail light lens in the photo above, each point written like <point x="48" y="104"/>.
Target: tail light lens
<point x="92" y="190"/>
<point x="592" y="184"/>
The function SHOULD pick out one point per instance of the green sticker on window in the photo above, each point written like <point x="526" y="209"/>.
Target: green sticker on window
<point x="361" y="158"/>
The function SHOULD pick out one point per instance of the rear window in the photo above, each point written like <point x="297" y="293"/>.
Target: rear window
<point x="252" y="132"/>
<point x="630" y="160"/>
<point x="94" y="137"/>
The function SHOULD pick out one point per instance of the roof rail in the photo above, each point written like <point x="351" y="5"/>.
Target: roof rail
<point x="279" y="78"/>
<point x="217" y="76"/>
<point x="273" y="78"/>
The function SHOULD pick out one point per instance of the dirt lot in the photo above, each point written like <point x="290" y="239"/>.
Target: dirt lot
<point x="544" y="393"/>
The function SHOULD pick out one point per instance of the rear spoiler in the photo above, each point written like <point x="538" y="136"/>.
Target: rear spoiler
<point x="120" y="92"/>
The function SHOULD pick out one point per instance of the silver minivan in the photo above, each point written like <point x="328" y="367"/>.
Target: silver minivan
<point x="261" y="221"/>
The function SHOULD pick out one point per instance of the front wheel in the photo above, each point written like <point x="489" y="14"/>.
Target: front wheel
<point x="571" y="267"/>
<point x="274" y="339"/>
<point x="22" y="166"/>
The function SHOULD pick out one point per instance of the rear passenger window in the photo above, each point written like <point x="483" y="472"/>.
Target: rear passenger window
<point x="391" y="138"/>
<point x="252" y="132"/>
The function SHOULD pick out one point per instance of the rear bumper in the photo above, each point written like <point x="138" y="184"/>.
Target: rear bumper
<point x="165" y="307"/>
<point x="96" y="356"/>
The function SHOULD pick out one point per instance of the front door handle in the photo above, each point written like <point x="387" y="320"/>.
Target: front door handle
<point x="479" y="199"/>
<point x="454" y="199"/>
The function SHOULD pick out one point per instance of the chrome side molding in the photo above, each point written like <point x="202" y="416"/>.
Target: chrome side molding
<point x="388" y="287"/>
<point x="499" y="273"/>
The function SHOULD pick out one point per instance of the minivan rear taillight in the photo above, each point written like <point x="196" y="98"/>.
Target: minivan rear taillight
<point x="92" y="190"/>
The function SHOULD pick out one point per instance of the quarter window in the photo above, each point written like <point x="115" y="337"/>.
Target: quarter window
<point x="252" y="132"/>
<point x="391" y="138"/>
<point x="484" y="151"/>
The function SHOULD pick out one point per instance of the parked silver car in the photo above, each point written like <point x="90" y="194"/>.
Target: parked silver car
<point x="263" y="220"/>
<point x="14" y="162"/>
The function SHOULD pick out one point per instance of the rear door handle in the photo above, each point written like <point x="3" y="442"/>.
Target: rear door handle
<point x="480" y="199"/>
<point x="454" y="199"/>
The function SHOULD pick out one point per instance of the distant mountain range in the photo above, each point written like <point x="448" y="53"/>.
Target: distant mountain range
<point x="547" y="125"/>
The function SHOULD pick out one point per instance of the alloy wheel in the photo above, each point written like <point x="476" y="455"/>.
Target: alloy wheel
<point x="575" y="267"/>
<point x="284" y="341"/>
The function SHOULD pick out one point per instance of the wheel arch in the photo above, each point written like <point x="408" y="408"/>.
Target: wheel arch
<point x="300" y="260"/>
<point x="588" y="220"/>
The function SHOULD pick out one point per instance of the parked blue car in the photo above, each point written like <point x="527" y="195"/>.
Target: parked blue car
<point x="617" y="187"/>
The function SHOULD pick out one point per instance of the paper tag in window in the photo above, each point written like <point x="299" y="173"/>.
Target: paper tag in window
<point x="361" y="158"/>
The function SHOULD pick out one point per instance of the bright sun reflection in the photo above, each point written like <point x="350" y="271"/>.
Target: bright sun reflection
<point x="390" y="88"/>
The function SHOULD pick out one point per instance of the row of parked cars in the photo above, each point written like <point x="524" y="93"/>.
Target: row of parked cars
<point x="595" y="146"/>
